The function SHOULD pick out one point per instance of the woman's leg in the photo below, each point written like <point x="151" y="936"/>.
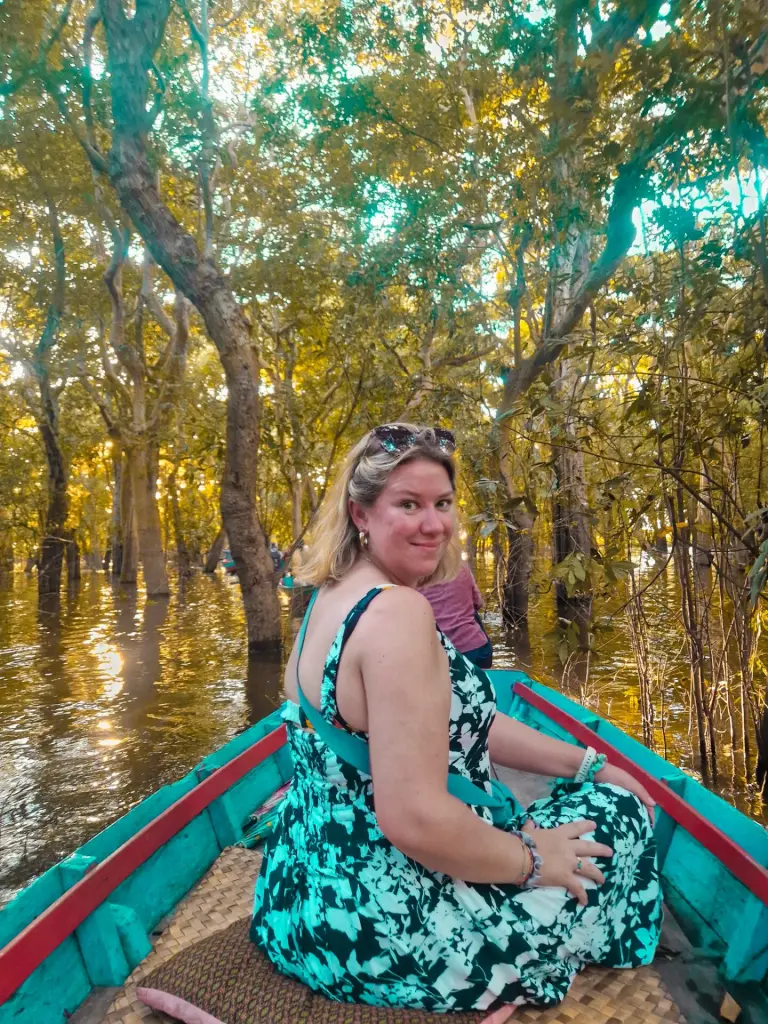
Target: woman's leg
<point x="623" y="919"/>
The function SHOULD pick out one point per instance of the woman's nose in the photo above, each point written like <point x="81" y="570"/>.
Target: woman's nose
<point x="430" y="522"/>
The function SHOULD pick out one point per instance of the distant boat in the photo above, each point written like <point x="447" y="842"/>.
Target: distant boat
<point x="87" y="921"/>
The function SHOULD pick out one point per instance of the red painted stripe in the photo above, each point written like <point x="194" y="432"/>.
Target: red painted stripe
<point x="41" y="937"/>
<point x="753" y="875"/>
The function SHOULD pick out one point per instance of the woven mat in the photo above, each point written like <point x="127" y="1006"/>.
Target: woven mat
<point x="225" y="894"/>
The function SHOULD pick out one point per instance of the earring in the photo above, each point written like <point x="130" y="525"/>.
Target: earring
<point x="363" y="540"/>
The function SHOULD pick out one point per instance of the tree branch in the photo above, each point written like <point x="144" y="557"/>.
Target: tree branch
<point x="742" y="537"/>
<point x="619" y="236"/>
<point x="95" y="157"/>
<point x="126" y="354"/>
<point x="56" y="306"/>
<point x="163" y="320"/>
<point x="470" y="357"/>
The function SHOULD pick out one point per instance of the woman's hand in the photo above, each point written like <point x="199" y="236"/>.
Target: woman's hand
<point x="618" y="777"/>
<point x="561" y="850"/>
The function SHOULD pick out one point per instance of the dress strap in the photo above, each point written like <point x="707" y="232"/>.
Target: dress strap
<point x="353" y="747"/>
<point x="328" y="707"/>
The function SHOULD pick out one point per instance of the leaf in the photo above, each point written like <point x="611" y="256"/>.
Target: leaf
<point x="488" y="528"/>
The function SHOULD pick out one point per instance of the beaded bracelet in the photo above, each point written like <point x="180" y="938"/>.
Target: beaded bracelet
<point x="534" y="873"/>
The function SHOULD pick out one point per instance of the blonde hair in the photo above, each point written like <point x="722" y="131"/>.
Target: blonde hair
<point x="335" y="543"/>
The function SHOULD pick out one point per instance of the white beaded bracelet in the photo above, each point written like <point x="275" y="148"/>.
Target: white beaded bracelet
<point x="590" y="754"/>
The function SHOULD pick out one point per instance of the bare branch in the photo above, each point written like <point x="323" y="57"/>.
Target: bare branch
<point x="97" y="398"/>
<point x="96" y="158"/>
<point x="126" y="354"/>
<point x="742" y="537"/>
<point x="176" y="363"/>
<point x="163" y="320"/>
<point x="469" y="357"/>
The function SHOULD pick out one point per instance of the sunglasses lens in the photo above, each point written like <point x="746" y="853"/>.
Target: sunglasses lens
<point x="394" y="439"/>
<point x="446" y="440"/>
<point x="397" y="439"/>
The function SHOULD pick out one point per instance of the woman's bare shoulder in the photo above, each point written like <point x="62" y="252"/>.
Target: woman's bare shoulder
<point x="401" y="615"/>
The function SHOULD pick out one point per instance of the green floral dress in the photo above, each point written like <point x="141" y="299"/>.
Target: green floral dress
<point x="340" y="908"/>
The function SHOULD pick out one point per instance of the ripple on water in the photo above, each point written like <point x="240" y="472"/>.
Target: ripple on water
<point x="118" y="695"/>
<point x="104" y="704"/>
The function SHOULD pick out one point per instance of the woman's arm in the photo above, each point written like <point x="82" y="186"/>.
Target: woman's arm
<point x="477" y="598"/>
<point x="408" y="697"/>
<point x="515" y="745"/>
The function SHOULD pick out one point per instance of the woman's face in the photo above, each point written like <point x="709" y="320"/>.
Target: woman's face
<point x="411" y="522"/>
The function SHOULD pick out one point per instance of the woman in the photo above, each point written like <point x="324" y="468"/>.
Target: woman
<point x="382" y="887"/>
<point x="455" y="605"/>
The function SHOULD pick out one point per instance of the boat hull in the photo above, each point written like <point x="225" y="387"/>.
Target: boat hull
<point x="97" y="909"/>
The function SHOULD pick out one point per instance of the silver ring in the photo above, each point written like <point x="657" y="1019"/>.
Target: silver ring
<point x="578" y="864"/>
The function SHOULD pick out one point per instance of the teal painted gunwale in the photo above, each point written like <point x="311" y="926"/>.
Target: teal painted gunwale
<point x="115" y="937"/>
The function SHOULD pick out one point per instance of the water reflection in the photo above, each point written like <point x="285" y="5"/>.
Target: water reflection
<point x="109" y="699"/>
<point x="115" y="696"/>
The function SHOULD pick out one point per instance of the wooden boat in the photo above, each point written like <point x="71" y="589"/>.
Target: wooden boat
<point x="83" y="927"/>
<point x="228" y="562"/>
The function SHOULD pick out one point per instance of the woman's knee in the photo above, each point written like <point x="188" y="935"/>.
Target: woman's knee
<point x="624" y="806"/>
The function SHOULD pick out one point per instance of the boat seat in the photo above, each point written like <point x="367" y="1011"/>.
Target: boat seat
<point x="211" y="928"/>
<point x="228" y="978"/>
<point x="220" y="905"/>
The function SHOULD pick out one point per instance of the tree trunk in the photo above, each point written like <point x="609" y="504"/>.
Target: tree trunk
<point x="681" y="547"/>
<point x="116" y="541"/>
<point x="131" y="44"/>
<point x="520" y="514"/>
<point x="761" y="771"/>
<point x="130" y="541"/>
<point x="296" y="496"/>
<point x="520" y="518"/>
<point x="571" y="536"/>
<point x="660" y="537"/>
<point x="213" y="556"/>
<point x="52" y="553"/>
<point x="6" y="551"/>
<point x="52" y="549"/>
<point x="148" y="529"/>
<point x="182" y="551"/>
<point x="73" y="559"/>
<point x="93" y="559"/>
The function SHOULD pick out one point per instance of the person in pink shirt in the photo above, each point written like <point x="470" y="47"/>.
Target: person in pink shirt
<point x="456" y="603"/>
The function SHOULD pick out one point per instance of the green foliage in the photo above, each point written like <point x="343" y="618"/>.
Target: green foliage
<point x="393" y="185"/>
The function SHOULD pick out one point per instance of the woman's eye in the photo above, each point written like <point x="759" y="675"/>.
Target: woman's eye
<point x="408" y="505"/>
<point x="445" y="503"/>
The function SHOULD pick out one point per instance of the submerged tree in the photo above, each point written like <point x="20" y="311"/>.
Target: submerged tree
<point x="131" y="45"/>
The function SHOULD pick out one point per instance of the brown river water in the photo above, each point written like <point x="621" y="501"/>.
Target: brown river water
<point x="116" y="696"/>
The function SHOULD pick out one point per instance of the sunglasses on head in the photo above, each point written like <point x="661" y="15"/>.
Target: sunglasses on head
<point x="398" y="439"/>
